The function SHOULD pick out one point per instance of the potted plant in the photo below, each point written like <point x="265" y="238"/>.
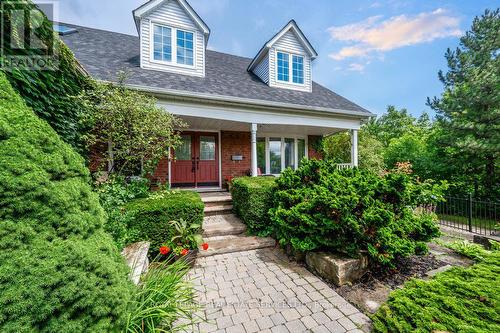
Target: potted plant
<point x="185" y="241"/>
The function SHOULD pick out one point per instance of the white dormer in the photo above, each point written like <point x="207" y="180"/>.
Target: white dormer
<point x="173" y="37"/>
<point x="285" y="60"/>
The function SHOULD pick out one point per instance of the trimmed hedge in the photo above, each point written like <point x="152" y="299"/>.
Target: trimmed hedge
<point x="151" y="216"/>
<point x="59" y="271"/>
<point x="458" y="300"/>
<point x="252" y="199"/>
<point x="318" y="207"/>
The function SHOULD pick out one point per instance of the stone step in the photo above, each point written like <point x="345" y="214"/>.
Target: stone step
<point x="222" y="225"/>
<point x="229" y="244"/>
<point x="218" y="209"/>
<point x="218" y="202"/>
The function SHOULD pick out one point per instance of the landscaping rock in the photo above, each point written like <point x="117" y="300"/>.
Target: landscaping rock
<point x="136" y="255"/>
<point x="337" y="268"/>
<point x="441" y="269"/>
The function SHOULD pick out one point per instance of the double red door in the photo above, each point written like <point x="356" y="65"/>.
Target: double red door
<point x="196" y="160"/>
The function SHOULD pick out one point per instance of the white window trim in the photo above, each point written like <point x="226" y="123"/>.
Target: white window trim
<point x="173" y="41"/>
<point x="282" y="138"/>
<point x="290" y="67"/>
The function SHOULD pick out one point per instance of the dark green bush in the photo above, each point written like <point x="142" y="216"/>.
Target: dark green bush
<point x="318" y="207"/>
<point x="151" y="216"/>
<point x="59" y="272"/>
<point x="458" y="300"/>
<point x="49" y="92"/>
<point x="252" y="199"/>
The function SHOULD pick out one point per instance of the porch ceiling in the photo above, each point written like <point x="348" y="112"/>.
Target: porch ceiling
<point x="211" y="124"/>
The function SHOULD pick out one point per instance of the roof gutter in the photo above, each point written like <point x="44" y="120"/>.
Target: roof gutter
<point x="248" y="101"/>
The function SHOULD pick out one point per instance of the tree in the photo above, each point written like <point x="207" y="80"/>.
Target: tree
<point x="137" y="132"/>
<point x="469" y="108"/>
<point x="338" y="149"/>
<point x="392" y="124"/>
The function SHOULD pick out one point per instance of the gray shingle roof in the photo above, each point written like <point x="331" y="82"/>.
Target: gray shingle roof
<point x="103" y="54"/>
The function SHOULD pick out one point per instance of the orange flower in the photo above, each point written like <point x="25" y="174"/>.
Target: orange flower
<point x="204" y="246"/>
<point x="184" y="252"/>
<point x="164" y="250"/>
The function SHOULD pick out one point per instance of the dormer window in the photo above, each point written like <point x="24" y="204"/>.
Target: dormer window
<point x="298" y="69"/>
<point x="287" y="73"/>
<point x="179" y="51"/>
<point x="162" y="43"/>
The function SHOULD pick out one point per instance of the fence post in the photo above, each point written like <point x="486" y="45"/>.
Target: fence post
<point x="470" y="211"/>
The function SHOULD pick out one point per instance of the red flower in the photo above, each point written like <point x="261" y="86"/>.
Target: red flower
<point x="204" y="246"/>
<point x="184" y="252"/>
<point x="164" y="250"/>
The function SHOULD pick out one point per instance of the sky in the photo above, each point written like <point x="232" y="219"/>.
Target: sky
<point x="375" y="53"/>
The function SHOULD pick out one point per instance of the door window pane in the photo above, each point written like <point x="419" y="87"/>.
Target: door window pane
<point x="275" y="155"/>
<point x="261" y="154"/>
<point x="289" y="152"/>
<point x="301" y="149"/>
<point x="183" y="152"/>
<point x="207" y="148"/>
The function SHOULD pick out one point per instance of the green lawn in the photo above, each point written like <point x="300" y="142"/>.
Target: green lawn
<point x="458" y="300"/>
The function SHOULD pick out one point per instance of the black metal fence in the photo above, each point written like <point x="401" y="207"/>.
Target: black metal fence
<point x="476" y="216"/>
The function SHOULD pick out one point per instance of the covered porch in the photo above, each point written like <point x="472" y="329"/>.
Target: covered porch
<point x="216" y="150"/>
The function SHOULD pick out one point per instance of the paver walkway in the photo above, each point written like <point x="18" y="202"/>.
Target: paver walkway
<point x="262" y="291"/>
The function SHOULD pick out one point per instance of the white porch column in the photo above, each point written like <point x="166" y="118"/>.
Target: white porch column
<point x="354" y="148"/>
<point x="254" y="150"/>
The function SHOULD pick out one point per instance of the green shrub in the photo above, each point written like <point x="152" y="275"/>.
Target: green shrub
<point x="49" y="92"/>
<point x="318" y="207"/>
<point x="252" y="199"/>
<point x="113" y="195"/>
<point x="59" y="272"/>
<point x="152" y="216"/>
<point x="458" y="300"/>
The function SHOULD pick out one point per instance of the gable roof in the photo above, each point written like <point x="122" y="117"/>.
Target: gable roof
<point x="291" y="25"/>
<point x="103" y="54"/>
<point x="151" y="5"/>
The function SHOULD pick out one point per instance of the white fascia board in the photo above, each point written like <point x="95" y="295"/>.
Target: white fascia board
<point x="248" y="102"/>
<point x="292" y="25"/>
<point x="151" y="5"/>
<point x="243" y="115"/>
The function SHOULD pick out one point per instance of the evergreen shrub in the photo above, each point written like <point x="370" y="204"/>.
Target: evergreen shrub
<point x="318" y="207"/>
<point x="59" y="271"/>
<point x="151" y="216"/>
<point x="252" y="199"/>
<point x="458" y="300"/>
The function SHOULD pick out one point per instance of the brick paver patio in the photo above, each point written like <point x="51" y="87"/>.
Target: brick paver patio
<point x="262" y="291"/>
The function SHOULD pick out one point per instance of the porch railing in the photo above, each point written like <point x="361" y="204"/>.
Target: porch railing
<point x="344" y="166"/>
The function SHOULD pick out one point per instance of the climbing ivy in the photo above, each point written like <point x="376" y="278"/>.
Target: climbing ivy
<point x="48" y="92"/>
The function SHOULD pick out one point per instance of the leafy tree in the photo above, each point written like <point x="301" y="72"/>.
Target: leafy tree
<point x="138" y="131"/>
<point x="469" y="108"/>
<point x="393" y="124"/>
<point x="409" y="148"/>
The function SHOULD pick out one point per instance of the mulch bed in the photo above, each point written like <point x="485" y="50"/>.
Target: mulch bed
<point x="407" y="268"/>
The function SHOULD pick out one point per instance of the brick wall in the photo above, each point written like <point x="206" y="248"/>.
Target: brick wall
<point x="160" y="174"/>
<point x="235" y="143"/>
<point x="312" y="140"/>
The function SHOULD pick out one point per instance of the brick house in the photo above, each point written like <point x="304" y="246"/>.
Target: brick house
<point x="245" y="115"/>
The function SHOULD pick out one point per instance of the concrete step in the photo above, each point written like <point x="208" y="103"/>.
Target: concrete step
<point x="232" y="243"/>
<point x="212" y="199"/>
<point x="218" y="209"/>
<point x="222" y="225"/>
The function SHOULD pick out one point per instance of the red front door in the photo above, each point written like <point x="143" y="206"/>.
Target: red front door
<point x="196" y="161"/>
